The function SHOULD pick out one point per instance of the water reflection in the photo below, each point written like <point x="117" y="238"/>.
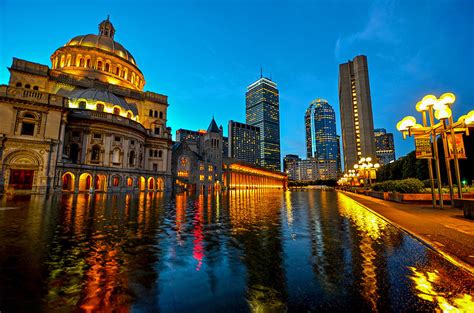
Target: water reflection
<point x="245" y="250"/>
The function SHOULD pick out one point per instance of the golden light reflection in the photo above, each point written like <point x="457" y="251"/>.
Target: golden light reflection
<point x="428" y="285"/>
<point x="289" y="209"/>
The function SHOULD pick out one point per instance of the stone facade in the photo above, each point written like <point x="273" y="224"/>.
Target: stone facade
<point x="197" y="159"/>
<point x="85" y="124"/>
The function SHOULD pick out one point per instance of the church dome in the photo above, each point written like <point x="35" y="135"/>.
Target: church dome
<point x="99" y="57"/>
<point x="103" y="43"/>
<point x="94" y="96"/>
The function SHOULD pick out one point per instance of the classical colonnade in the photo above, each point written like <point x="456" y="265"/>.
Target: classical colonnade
<point x="238" y="176"/>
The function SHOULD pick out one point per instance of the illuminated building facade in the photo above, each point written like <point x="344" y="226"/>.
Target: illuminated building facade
<point x="321" y="138"/>
<point x="308" y="170"/>
<point x="263" y="111"/>
<point x="85" y="124"/>
<point x="244" y="142"/>
<point x="356" y="111"/>
<point x="384" y="147"/>
<point x="290" y="166"/>
<point x="197" y="159"/>
<point x="243" y="176"/>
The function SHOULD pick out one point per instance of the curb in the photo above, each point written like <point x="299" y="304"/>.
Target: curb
<point x="448" y="257"/>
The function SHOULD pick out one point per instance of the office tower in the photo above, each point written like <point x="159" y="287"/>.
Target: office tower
<point x="339" y="169"/>
<point x="308" y="170"/>
<point x="356" y="111"/>
<point x="225" y="147"/>
<point x="384" y="147"/>
<point x="244" y="142"/>
<point x="290" y="166"/>
<point x="262" y="110"/>
<point x="321" y="138"/>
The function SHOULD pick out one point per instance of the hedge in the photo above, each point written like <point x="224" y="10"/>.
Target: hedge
<point x="409" y="185"/>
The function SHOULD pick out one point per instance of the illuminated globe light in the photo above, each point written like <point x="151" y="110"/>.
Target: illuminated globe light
<point x="368" y="159"/>
<point x="443" y="113"/>
<point x="376" y="165"/>
<point x="356" y="166"/>
<point x="469" y="118"/>
<point x="406" y="123"/>
<point x="429" y="100"/>
<point x="445" y="99"/>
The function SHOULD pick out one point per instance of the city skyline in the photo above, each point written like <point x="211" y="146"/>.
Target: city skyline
<point x="216" y="76"/>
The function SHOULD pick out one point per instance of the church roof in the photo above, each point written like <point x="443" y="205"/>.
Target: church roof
<point x="213" y="128"/>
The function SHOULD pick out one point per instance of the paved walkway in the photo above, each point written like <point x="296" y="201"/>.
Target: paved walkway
<point x="446" y="230"/>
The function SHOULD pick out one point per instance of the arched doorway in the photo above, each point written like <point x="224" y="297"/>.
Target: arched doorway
<point x="85" y="182"/>
<point x="160" y="185"/>
<point x="23" y="169"/>
<point x="151" y="183"/>
<point x="100" y="182"/>
<point x="129" y="182"/>
<point x="141" y="183"/>
<point x="68" y="182"/>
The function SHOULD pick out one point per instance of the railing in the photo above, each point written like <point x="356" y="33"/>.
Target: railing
<point x="32" y="95"/>
<point x="106" y="117"/>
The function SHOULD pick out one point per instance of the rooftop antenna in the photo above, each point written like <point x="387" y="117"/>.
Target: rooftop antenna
<point x="108" y="16"/>
<point x="261" y="72"/>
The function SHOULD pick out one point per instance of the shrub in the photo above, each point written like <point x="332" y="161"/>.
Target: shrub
<point x="409" y="185"/>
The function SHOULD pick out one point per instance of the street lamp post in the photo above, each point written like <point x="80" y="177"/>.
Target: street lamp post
<point x="439" y="108"/>
<point x="366" y="166"/>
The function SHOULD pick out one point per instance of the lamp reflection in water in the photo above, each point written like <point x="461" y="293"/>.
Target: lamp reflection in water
<point x="372" y="228"/>
<point x="429" y="289"/>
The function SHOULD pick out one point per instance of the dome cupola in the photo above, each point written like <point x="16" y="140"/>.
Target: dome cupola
<point x="99" y="57"/>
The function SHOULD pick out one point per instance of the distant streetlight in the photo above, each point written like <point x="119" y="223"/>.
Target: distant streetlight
<point x="441" y="110"/>
<point x="367" y="168"/>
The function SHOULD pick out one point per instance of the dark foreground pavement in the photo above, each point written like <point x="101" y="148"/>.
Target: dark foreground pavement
<point x="445" y="230"/>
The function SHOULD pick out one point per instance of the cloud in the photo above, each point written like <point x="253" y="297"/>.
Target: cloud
<point x="381" y="27"/>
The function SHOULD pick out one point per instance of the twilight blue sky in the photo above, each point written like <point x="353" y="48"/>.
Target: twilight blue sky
<point x="203" y="54"/>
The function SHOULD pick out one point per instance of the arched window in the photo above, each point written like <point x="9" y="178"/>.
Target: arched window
<point x="116" y="111"/>
<point x="88" y="63"/>
<point x="107" y="67"/>
<point x="35" y="87"/>
<point x="74" y="152"/>
<point x="81" y="62"/>
<point x="150" y="113"/>
<point x="18" y="84"/>
<point x="129" y="115"/>
<point x="100" y="107"/>
<point x="116" y="181"/>
<point x="160" y="153"/>
<point x="116" y="156"/>
<point x="129" y="182"/>
<point x="99" y="65"/>
<point x="82" y="104"/>
<point x="161" y="114"/>
<point x="117" y="71"/>
<point x="157" y="130"/>
<point x="156" y="114"/>
<point x="95" y="154"/>
<point x="131" y="158"/>
<point x="27" y="86"/>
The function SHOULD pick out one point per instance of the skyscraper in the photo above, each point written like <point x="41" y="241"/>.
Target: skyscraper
<point x="321" y="138"/>
<point x="262" y="110"/>
<point x="290" y="166"/>
<point x="244" y="142"/>
<point x="384" y="147"/>
<point x="356" y="111"/>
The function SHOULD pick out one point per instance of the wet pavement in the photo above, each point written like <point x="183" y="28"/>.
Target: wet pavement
<point x="241" y="251"/>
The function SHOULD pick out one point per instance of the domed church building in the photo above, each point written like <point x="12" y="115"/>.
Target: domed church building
<point x="85" y="124"/>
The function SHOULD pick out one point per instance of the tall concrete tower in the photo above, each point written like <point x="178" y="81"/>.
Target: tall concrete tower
<point x="356" y="111"/>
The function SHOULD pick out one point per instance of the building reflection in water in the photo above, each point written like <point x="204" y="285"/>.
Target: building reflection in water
<point x="101" y="249"/>
<point x="256" y="226"/>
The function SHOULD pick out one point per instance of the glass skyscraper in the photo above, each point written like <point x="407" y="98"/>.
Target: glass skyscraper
<point x="384" y="147"/>
<point x="321" y="138"/>
<point x="263" y="111"/>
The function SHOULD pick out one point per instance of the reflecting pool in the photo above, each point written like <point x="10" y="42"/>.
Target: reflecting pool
<point x="240" y="251"/>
